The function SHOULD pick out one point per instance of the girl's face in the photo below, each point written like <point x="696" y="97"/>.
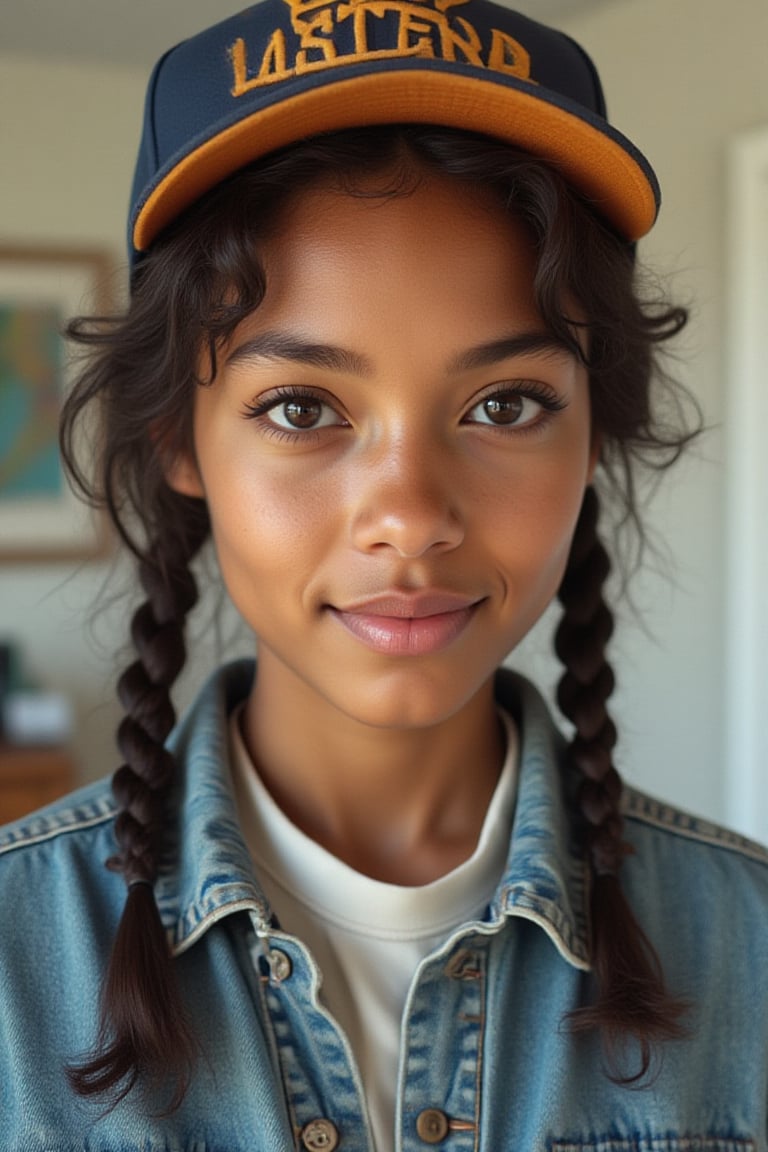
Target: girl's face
<point x="394" y="454"/>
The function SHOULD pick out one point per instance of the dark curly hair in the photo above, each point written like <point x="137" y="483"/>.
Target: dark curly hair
<point x="197" y="282"/>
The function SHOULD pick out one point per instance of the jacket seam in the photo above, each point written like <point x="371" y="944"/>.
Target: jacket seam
<point x="181" y="944"/>
<point x="643" y="809"/>
<point x="31" y="839"/>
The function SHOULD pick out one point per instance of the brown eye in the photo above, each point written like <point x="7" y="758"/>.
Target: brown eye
<point x="510" y="408"/>
<point x="504" y="409"/>
<point x="304" y="413"/>
<point x="298" y="412"/>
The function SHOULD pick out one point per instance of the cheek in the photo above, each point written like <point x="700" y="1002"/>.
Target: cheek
<point x="537" y="522"/>
<point x="269" y="529"/>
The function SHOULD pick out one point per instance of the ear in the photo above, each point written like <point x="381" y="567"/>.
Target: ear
<point x="178" y="463"/>
<point x="183" y="475"/>
<point x="596" y="444"/>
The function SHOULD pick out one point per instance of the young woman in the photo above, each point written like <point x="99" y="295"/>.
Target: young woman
<point x="384" y="344"/>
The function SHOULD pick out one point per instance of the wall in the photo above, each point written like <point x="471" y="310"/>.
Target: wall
<point x="681" y="82"/>
<point x="68" y="138"/>
<point x="683" y="77"/>
<point x="72" y="139"/>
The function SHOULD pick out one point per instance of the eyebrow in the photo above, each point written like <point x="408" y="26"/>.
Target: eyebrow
<point x="494" y="351"/>
<point x="282" y="346"/>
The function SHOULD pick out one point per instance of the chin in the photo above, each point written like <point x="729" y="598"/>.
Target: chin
<point x="412" y="703"/>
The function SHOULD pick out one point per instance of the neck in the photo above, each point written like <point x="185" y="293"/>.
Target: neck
<point x="403" y="805"/>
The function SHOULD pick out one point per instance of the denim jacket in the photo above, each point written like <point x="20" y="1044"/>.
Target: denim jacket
<point x="488" y="1063"/>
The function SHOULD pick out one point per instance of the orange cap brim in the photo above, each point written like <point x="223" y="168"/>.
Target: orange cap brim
<point x="600" y="166"/>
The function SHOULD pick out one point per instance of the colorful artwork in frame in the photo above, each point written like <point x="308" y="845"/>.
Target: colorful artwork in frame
<point x="40" y="518"/>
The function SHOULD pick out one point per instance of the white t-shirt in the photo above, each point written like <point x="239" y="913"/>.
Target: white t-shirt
<point x="367" y="937"/>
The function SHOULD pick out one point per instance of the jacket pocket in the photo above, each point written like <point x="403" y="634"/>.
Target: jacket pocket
<point x="657" y="1144"/>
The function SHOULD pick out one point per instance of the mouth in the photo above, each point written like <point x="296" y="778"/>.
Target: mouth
<point x="408" y="625"/>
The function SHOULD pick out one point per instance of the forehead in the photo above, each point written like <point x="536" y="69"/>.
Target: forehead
<point x="440" y="248"/>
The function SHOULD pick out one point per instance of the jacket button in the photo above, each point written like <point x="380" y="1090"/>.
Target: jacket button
<point x="432" y="1126"/>
<point x="280" y="967"/>
<point x="319" y="1136"/>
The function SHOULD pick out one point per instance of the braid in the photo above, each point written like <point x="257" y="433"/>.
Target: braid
<point x="142" y="1027"/>
<point x="632" y="1000"/>
<point x="586" y="685"/>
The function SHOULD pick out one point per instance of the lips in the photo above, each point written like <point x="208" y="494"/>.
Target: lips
<point x="408" y="624"/>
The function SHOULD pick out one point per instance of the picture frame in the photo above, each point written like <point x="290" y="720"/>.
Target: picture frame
<point x="41" y="520"/>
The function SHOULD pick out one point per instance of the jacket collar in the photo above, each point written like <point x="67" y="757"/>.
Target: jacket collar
<point x="209" y="874"/>
<point x="547" y="874"/>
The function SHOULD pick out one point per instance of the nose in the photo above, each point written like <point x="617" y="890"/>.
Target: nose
<point x="407" y="501"/>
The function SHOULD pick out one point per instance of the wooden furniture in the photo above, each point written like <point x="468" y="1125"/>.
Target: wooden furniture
<point x="31" y="777"/>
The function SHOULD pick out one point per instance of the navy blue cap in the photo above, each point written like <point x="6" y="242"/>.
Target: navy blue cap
<point x="285" y="70"/>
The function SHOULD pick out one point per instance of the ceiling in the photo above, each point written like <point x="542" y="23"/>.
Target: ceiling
<point x="133" y="33"/>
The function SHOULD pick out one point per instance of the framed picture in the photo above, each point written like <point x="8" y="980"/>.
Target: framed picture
<point x="40" y="518"/>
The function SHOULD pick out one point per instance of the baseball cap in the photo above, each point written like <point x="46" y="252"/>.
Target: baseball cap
<point x="285" y="70"/>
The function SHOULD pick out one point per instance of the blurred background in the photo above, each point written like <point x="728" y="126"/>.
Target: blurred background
<point x="685" y="80"/>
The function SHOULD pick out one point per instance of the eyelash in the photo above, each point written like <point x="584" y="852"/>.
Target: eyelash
<point x="258" y="411"/>
<point x="541" y="394"/>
